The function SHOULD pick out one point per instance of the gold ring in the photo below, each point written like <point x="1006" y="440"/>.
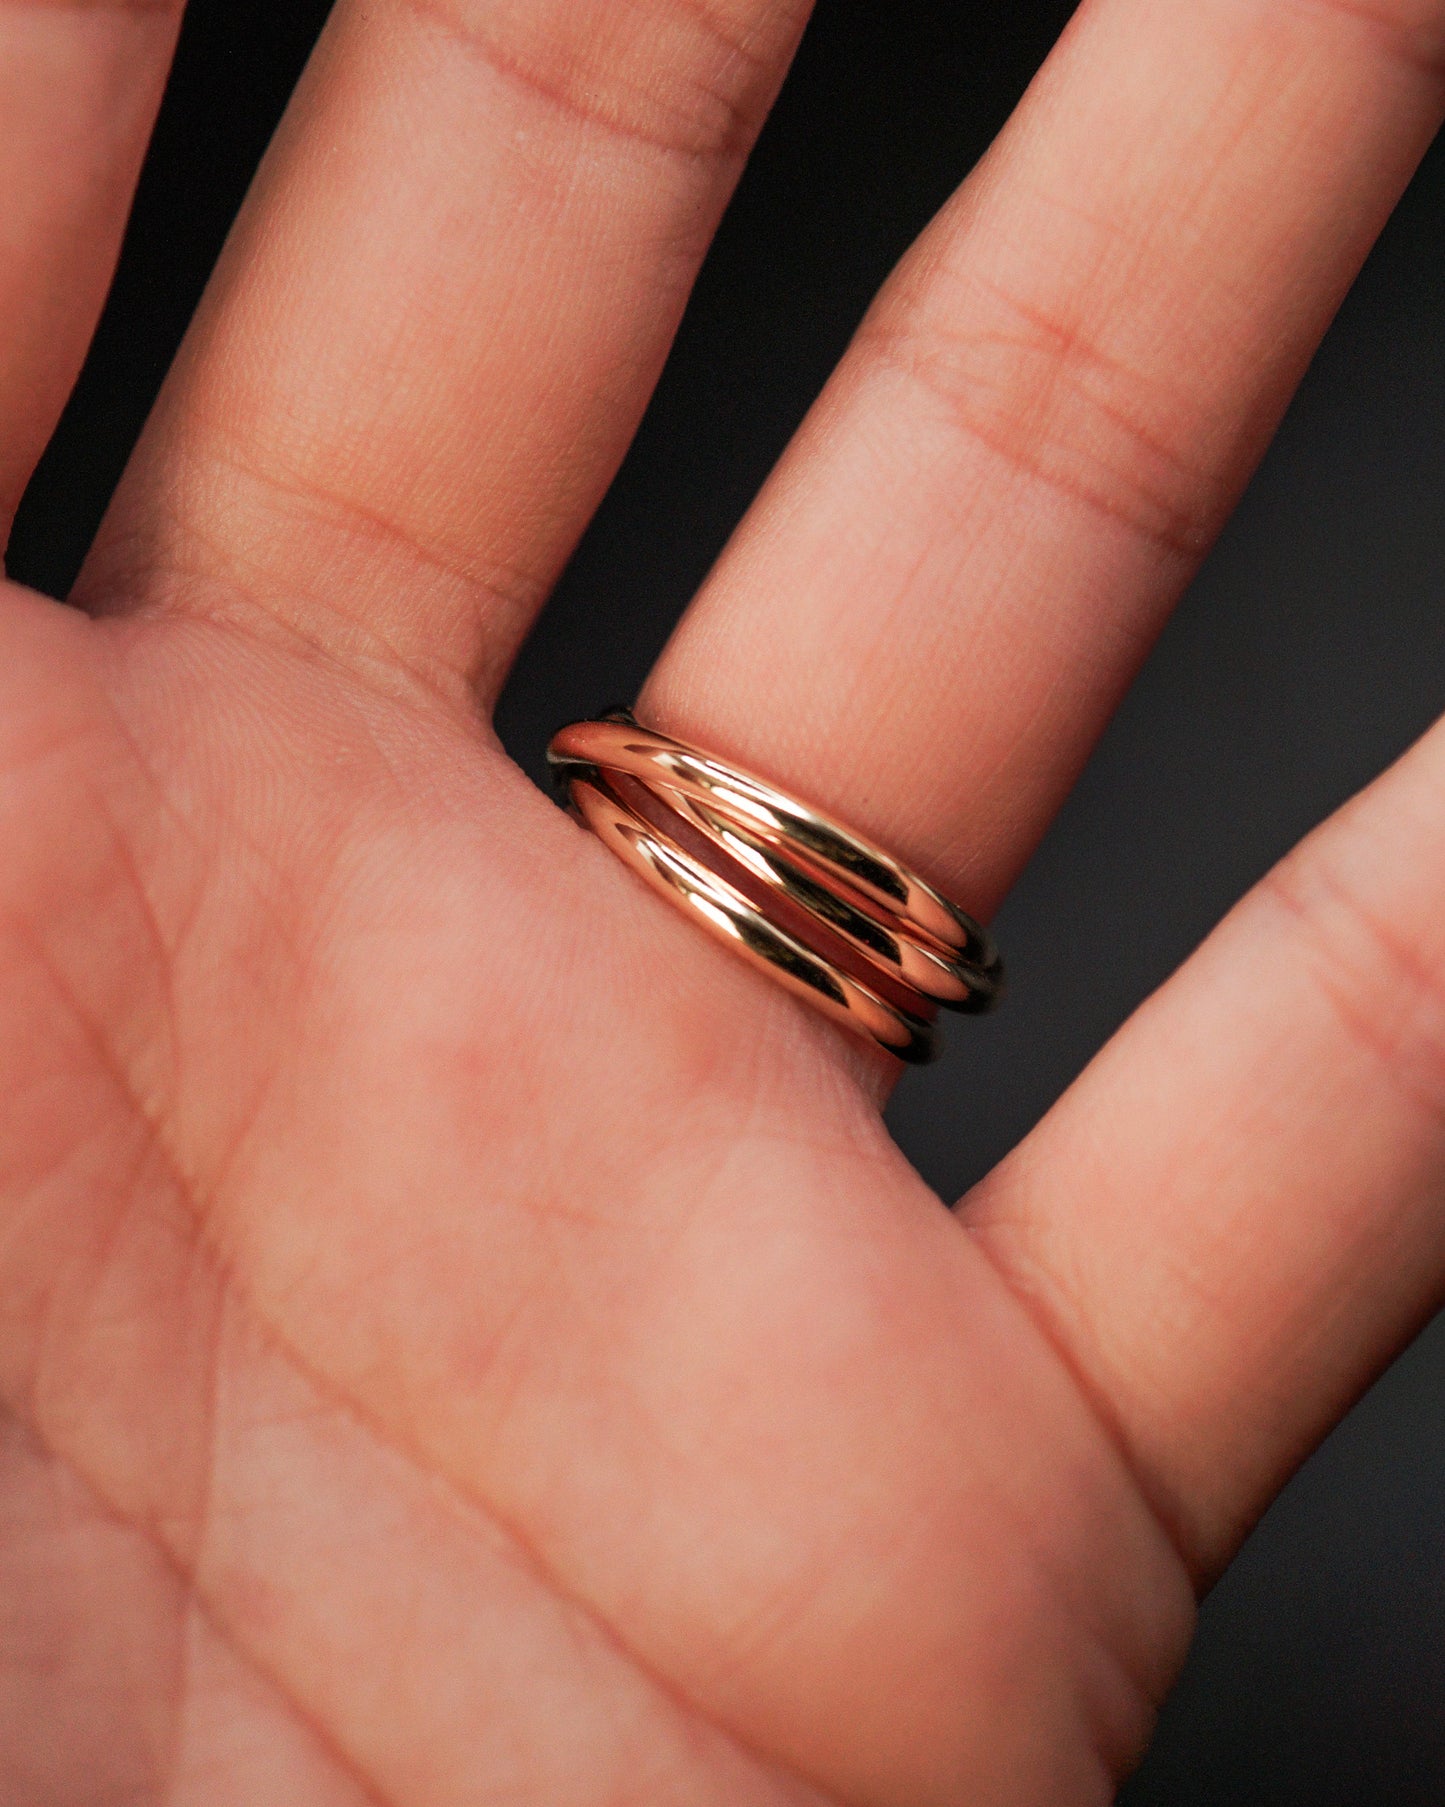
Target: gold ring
<point x="830" y="915"/>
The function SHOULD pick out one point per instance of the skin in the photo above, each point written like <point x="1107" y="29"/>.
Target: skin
<point x="464" y="1338"/>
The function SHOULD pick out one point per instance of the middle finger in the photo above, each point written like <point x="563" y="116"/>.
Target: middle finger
<point x="439" y="319"/>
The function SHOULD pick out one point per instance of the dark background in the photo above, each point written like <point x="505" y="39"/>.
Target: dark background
<point x="1309" y="652"/>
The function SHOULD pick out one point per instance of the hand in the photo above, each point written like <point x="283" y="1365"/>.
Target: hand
<point x="465" y="1338"/>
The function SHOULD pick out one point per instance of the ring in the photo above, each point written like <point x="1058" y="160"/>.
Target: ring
<point x="831" y="916"/>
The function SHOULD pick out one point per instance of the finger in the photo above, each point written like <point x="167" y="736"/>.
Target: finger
<point x="440" y="318"/>
<point x="79" y="86"/>
<point x="940" y="595"/>
<point x="1233" y="1220"/>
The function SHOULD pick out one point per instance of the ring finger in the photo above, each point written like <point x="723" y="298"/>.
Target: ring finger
<point x="941" y="593"/>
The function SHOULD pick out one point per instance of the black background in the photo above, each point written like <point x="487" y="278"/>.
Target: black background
<point x="1310" y="651"/>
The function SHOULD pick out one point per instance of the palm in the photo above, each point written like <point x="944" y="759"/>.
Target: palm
<point x="467" y="1339"/>
<point x="305" y="1024"/>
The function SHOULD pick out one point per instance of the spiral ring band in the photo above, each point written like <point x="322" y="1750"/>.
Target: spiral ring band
<point x="830" y="915"/>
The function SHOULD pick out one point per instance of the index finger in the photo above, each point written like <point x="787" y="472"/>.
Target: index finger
<point x="79" y="86"/>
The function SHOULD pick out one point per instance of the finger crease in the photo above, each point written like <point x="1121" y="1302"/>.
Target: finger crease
<point x="1164" y="1509"/>
<point x="1409" y="1041"/>
<point x="593" y="105"/>
<point x="1176" y="530"/>
<point x="1417" y="44"/>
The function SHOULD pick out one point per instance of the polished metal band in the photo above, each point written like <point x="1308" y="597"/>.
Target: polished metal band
<point x="834" y="918"/>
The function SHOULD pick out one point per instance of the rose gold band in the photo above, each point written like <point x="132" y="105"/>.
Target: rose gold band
<point x="831" y="916"/>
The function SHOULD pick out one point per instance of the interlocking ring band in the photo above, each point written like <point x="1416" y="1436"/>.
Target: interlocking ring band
<point x="828" y="914"/>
